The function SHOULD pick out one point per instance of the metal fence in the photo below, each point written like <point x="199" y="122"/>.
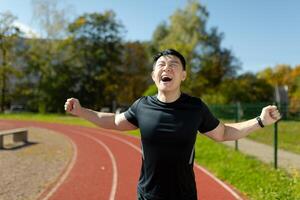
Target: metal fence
<point x="242" y="111"/>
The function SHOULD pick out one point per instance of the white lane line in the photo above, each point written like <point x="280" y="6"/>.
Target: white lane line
<point x="196" y="165"/>
<point x="66" y="174"/>
<point x="122" y="140"/>
<point x="114" y="164"/>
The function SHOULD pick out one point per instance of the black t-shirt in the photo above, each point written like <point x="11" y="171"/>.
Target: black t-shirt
<point x="168" y="134"/>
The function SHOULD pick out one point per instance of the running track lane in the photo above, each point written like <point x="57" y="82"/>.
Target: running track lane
<point x="107" y="167"/>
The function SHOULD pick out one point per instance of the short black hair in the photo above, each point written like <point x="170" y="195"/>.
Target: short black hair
<point x="170" y="52"/>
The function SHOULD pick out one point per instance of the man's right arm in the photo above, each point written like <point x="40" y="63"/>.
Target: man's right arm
<point x="104" y="120"/>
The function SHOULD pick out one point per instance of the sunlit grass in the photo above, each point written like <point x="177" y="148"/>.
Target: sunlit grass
<point x="54" y="118"/>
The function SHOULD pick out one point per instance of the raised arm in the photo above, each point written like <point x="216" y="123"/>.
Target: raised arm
<point x="235" y="131"/>
<point x="103" y="120"/>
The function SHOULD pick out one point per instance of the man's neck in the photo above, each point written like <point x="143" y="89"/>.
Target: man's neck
<point x="168" y="97"/>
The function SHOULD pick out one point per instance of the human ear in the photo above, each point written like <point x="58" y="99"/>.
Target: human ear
<point x="183" y="77"/>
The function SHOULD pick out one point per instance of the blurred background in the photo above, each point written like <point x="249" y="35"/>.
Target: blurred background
<point x="241" y="56"/>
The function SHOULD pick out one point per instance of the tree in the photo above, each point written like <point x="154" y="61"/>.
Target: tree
<point x="251" y="89"/>
<point x="294" y="90"/>
<point x="45" y="57"/>
<point x="208" y="63"/>
<point x="279" y="75"/>
<point x="9" y="34"/>
<point x="52" y="17"/>
<point x="244" y="88"/>
<point x="50" y="80"/>
<point x="134" y="71"/>
<point x="215" y="64"/>
<point x="97" y="40"/>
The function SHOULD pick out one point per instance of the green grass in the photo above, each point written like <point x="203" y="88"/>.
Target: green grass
<point x="256" y="180"/>
<point x="54" y="118"/>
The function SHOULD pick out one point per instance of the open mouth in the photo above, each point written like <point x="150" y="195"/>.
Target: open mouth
<point x="166" y="79"/>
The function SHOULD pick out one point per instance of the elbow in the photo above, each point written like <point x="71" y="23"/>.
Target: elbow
<point x="220" y="139"/>
<point x="218" y="134"/>
<point x="217" y="137"/>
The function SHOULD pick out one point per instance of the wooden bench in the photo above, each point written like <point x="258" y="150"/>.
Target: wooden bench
<point x="19" y="135"/>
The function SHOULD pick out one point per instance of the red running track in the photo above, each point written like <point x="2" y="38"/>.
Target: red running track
<point x="106" y="166"/>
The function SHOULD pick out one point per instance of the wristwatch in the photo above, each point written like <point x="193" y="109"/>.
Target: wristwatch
<point x="260" y="122"/>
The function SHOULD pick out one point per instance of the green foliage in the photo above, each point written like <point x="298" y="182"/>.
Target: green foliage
<point x="279" y="75"/>
<point x="9" y="36"/>
<point x="214" y="98"/>
<point x="208" y="63"/>
<point x="134" y="72"/>
<point x="92" y="64"/>
<point x="50" y="76"/>
<point x="285" y="75"/>
<point x="247" y="88"/>
<point x="152" y="90"/>
<point x="95" y="65"/>
<point x="216" y="64"/>
<point x="85" y="65"/>
<point x="97" y="46"/>
<point x="185" y="31"/>
<point x="51" y="17"/>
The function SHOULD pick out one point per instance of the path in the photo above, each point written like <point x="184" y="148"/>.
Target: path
<point x="265" y="153"/>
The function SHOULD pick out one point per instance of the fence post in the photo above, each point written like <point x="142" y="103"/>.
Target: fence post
<point x="237" y="119"/>
<point x="275" y="142"/>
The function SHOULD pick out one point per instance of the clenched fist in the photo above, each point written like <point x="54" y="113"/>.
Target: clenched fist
<point x="269" y="115"/>
<point x="73" y="106"/>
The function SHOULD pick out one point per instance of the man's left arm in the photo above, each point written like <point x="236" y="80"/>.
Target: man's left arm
<point x="235" y="131"/>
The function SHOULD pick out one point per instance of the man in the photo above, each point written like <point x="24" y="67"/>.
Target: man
<point x="168" y="123"/>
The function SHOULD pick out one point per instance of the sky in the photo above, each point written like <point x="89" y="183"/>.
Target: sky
<point x="259" y="33"/>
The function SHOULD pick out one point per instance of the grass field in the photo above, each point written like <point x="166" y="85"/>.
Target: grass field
<point x="55" y="118"/>
<point x="257" y="180"/>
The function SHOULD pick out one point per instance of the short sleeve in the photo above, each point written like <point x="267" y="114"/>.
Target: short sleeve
<point x="131" y="113"/>
<point x="209" y="122"/>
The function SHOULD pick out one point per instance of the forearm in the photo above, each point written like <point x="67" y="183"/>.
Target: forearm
<point x="235" y="131"/>
<point x="104" y="120"/>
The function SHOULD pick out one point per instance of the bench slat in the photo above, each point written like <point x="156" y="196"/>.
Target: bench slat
<point x="19" y="135"/>
<point x="11" y="131"/>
